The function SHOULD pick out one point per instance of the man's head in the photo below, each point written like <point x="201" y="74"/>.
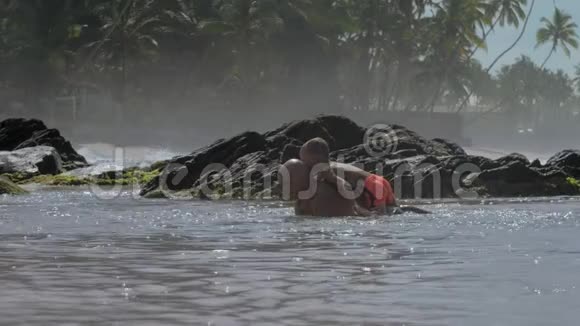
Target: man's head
<point x="315" y="151"/>
<point x="293" y="178"/>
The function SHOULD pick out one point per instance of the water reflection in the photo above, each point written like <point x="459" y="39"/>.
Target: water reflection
<point x="68" y="258"/>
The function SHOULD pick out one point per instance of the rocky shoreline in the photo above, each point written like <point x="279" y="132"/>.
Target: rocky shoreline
<point x="245" y="166"/>
<point x="30" y="153"/>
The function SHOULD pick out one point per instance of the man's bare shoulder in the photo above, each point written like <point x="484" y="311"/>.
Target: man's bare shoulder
<point x="349" y="170"/>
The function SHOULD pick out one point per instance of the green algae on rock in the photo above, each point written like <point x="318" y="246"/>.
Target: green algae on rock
<point x="128" y="177"/>
<point x="575" y="183"/>
<point x="9" y="188"/>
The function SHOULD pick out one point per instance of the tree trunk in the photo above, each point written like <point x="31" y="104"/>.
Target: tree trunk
<point x="466" y="99"/>
<point x="123" y="90"/>
<point x="485" y="35"/>
<point x="549" y="56"/>
<point x="123" y="81"/>
<point x="516" y="41"/>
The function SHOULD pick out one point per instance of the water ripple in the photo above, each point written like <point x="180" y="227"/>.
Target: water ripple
<point x="68" y="258"/>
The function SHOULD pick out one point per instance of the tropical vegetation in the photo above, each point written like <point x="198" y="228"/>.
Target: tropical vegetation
<point x="403" y="55"/>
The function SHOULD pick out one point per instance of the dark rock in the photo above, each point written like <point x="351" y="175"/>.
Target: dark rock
<point x="516" y="179"/>
<point x="413" y="163"/>
<point x="290" y="147"/>
<point x="253" y="172"/>
<point x="419" y="177"/>
<point x="31" y="161"/>
<point x="405" y="153"/>
<point x="51" y="137"/>
<point x="567" y="161"/>
<point x="353" y="154"/>
<point x="400" y="143"/>
<point x="484" y="163"/>
<point x="566" y="158"/>
<point x="290" y="152"/>
<point x="536" y="164"/>
<point x="273" y="147"/>
<point x="418" y="167"/>
<point x="401" y="138"/>
<point x="279" y="141"/>
<point x="514" y="157"/>
<point x="476" y="163"/>
<point x="303" y="131"/>
<point x="182" y="172"/>
<point x="513" y="172"/>
<point x="16" y="134"/>
<point x="345" y="132"/>
<point x="451" y="147"/>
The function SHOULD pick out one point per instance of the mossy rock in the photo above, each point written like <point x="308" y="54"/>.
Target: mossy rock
<point x="174" y="195"/>
<point x="58" y="180"/>
<point x="124" y="178"/>
<point x="127" y="177"/>
<point x="159" y="165"/>
<point x="9" y="188"/>
<point x="49" y="180"/>
<point x="575" y="183"/>
<point x="18" y="178"/>
<point x="157" y="194"/>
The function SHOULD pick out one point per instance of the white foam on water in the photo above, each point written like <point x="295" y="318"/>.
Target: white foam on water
<point x="105" y="157"/>
<point x="103" y="152"/>
<point x="495" y="153"/>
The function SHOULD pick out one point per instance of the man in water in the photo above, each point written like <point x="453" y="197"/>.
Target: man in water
<point x="319" y="189"/>
<point x="313" y="196"/>
<point x="372" y="192"/>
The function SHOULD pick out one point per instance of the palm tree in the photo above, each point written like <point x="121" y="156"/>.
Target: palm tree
<point x="560" y="31"/>
<point x="35" y="46"/>
<point x="506" y="12"/>
<point x="503" y="12"/>
<point x="577" y="77"/>
<point x="509" y="12"/>
<point x="128" y="32"/>
<point x="458" y="22"/>
<point x="513" y="45"/>
<point x="244" y="25"/>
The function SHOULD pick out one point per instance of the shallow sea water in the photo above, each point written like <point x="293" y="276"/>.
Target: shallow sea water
<point x="69" y="258"/>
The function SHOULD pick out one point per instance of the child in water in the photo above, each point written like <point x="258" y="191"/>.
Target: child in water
<point x="313" y="198"/>
<point x="372" y="192"/>
<point x="324" y="188"/>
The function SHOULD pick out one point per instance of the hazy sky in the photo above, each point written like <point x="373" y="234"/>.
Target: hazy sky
<point x="504" y="37"/>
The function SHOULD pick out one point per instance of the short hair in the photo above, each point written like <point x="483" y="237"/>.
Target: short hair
<point x="317" y="146"/>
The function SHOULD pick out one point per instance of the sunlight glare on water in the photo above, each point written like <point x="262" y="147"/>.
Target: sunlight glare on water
<point x="69" y="258"/>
